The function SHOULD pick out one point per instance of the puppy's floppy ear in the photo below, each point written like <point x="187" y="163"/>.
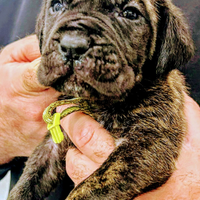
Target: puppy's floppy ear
<point x="40" y="24"/>
<point x="174" y="44"/>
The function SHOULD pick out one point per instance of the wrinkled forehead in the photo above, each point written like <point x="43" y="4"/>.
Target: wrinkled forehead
<point x="95" y="3"/>
<point x="148" y="6"/>
<point x="114" y="2"/>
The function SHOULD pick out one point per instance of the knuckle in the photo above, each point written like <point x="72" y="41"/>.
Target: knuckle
<point x="76" y="166"/>
<point x="85" y="137"/>
<point x="102" y="151"/>
<point x="29" y="79"/>
<point x="97" y="144"/>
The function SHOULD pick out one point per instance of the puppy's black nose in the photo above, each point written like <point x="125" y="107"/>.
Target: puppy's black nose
<point x="73" y="46"/>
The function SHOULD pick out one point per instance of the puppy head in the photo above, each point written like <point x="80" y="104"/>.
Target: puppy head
<point x="101" y="48"/>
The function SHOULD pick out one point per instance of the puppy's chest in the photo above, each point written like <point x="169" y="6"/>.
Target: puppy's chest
<point x="117" y="123"/>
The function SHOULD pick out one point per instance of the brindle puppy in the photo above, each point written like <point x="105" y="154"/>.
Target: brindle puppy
<point x="122" y="55"/>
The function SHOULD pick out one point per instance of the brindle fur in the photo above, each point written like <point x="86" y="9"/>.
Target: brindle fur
<point x="129" y="73"/>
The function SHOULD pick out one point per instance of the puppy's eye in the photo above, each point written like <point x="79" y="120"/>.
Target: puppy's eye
<point x="57" y="6"/>
<point x="131" y="13"/>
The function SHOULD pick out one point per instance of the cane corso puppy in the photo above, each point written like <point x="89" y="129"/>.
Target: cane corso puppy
<point x="122" y="56"/>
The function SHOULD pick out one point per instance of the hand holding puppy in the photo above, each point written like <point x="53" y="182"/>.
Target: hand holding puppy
<point x="23" y="99"/>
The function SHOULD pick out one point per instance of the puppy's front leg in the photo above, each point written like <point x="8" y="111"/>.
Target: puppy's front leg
<point x="44" y="169"/>
<point x="130" y="170"/>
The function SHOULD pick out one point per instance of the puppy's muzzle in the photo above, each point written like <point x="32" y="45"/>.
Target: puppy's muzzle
<point x="73" y="44"/>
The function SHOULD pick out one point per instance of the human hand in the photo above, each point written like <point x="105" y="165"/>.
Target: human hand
<point x="23" y="99"/>
<point x="94" y="144"/>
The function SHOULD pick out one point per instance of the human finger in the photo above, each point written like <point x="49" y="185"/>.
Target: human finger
<point x="79" y="166"/>
<point x="23" y="50"/>
<point x="29" y="77"/>
<point x="88" y="136"/>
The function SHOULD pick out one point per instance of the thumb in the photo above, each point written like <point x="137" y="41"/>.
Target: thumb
<point x="29" y="77"/>
<point x="88" y="136"/>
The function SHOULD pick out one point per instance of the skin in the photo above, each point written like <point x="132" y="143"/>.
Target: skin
<point x="23" y="100"/>
<point x="20" y="89"/>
